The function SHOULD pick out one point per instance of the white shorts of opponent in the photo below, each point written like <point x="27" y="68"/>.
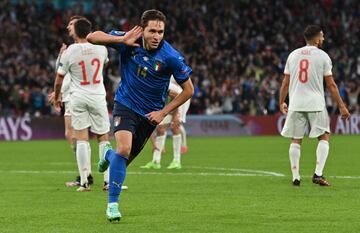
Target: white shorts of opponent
<point x="89" y="111"/>
<point x="296" y="123"/>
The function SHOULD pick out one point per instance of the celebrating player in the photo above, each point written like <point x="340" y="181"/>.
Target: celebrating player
<point x="84" y="62"/>
<point x="305" y="71"/>
<point x="146" y="67"/>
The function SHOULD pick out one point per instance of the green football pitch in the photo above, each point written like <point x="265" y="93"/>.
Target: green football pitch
<point x="227" y="184"/>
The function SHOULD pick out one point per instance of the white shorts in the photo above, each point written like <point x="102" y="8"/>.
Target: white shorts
<point x="182" y="111"/>
<point x="67" y="111"/>
<point x="88" y="111"/>
<point x="296" y="123"/>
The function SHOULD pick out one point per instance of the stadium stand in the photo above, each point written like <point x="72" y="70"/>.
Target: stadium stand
<point x="237" y="49"/>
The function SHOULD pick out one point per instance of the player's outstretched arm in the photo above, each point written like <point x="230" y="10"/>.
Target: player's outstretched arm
<point x="188" y="91"/>
<point x="283" y="93"/>
<point x="102" y="38"/>
<point x="331" y="85"/>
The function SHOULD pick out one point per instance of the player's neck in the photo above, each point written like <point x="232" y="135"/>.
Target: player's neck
<point x="80" y="40"/>
<point x="312" y="44"/>
<point x="145" y="45"/>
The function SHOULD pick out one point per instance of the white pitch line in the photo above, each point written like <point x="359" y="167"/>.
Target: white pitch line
<point x="256" y="173"/>
<point x="240" y="170"/>
<point x="137" y="173"/>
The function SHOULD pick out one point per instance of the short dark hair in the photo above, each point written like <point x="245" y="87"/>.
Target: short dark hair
<point x="82" y="27"/>
<point x="152" y="15"/>
<point x="311" y="32"/>
<point x="76" y="17"/>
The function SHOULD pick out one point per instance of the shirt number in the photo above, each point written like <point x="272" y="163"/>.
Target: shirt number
<point x="95" y="62"/>
<point x="303" y="74"/>
<point x="142" y="71"/>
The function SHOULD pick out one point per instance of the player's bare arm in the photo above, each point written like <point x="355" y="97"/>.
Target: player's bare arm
<point x="283" y="93"/>
<point x="51" y="96"/>
<point x="102" y="38"/>
<point x="331" y="85"/>
<point x="57" y="88"/>
<point x="188" y="90"/>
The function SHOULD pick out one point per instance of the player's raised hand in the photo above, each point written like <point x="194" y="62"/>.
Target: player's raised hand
<point x="131" y="36"/>
<point x="51" y="97"/>
<point x="344" y="113"/>
<point x="156" y="117"/>
<point x="62" y="49"/>
<point x="283" y="108"/>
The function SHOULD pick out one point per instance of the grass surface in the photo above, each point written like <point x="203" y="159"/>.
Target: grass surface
<point x="228" y="184"/>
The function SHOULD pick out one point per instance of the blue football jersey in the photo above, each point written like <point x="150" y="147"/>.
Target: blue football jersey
<point x="145" y="75"/>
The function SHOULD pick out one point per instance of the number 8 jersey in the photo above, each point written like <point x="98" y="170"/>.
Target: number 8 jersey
<point x="307" y="67"/>
<point x="84" y="62"/>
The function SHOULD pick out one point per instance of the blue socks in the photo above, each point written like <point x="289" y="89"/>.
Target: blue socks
<point x="117" y="174"/>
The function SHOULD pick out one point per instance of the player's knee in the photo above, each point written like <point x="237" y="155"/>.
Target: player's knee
<point x="123" y="150"/>
<point x="161" y="130"/>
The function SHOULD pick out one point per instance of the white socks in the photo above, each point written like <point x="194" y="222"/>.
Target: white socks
<point x="101" y="154"/>
<point x="89" y="158"/>
<point x="83" y="161"/>
<point x="322" y="152"/>
<point x="159" y="142"/>
<point x="183" y="135"/>
<point x="177" y="147"/>
<point x="294" y="154"/>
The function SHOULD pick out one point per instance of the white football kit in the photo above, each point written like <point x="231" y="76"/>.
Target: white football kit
<point x="84" y="62"/>
<point x="307" y="67"/>
<point x="182" y="108"/>
<point x="65" y="94"/>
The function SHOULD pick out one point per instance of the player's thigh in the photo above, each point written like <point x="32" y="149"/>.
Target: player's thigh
<point x="67" y="124"/>
<point x="125" y="120"/>
<point x="295" y="125"/>
<point x="79" y="114"/>
<point x="175" y="124"/>
<point x="161" y="129"/>
<point x="319" y="123"/>
<point x="99" y="117"/>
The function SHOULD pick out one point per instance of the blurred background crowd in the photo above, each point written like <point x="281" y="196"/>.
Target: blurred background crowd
<point x="237" y="49"/>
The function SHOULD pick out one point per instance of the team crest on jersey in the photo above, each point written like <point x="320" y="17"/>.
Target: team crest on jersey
<point x="117" y="120"/>
<point x="157" y="65"/>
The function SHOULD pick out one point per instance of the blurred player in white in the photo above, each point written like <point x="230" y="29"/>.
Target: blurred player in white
<point x="305" y="71"/>
<point x="65" y="99"/>
<point x="176" y="119"/>
<point x="84" y="62"/>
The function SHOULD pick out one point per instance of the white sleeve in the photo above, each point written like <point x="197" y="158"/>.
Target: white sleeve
<point x="327" y="66"/>
<point x="64" y="63"/>
<point x="106" y="56"/>
<point x="287" y="68"/>
<point x="57" y="63"/>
